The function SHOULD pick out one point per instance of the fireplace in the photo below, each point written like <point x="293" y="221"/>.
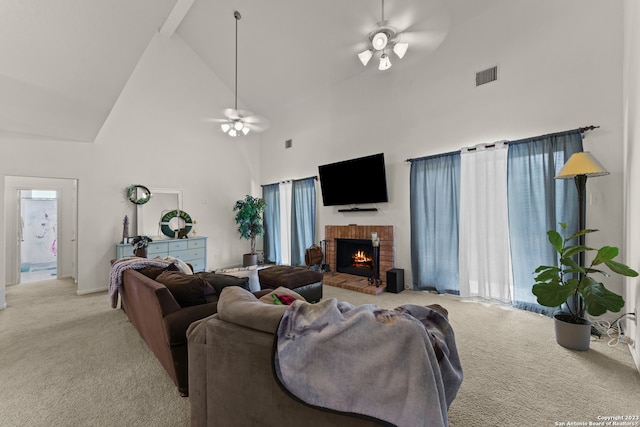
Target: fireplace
<point x="354" y="281"/>
<point x="355" y="256"/>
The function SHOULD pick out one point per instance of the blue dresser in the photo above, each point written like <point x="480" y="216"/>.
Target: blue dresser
<point x="192" y="251"/>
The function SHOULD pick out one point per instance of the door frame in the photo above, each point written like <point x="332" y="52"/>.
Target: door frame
<point x="14" y="183"/>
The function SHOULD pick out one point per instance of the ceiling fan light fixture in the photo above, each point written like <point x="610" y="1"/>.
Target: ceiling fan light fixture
<point x="380" y="40"/>
<point x="383" y="37"/>
<point x="400" y="49"/>
<point x="236" y="120"/>
<point x="385" y="62"/>
<point x="365" y="56"/>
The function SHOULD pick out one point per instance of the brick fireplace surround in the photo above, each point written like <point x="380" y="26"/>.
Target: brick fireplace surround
<point x="358" y="283"/>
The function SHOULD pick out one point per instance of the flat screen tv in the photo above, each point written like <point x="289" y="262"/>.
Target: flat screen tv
<point x="355" y="181"/>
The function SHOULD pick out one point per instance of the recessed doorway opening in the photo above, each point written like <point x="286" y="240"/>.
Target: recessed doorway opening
<point x="38" y="235"/>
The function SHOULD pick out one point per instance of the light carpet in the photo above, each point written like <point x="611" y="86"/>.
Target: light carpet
<point x="68" y="360"/>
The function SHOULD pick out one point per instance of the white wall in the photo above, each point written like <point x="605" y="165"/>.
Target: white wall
<point x="560" y="68"/>
<point x="155" y="136"/>
<point x="631" y="100"/>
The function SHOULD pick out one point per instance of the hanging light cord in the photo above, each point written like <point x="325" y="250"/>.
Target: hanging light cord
<point x="236" y="14"/>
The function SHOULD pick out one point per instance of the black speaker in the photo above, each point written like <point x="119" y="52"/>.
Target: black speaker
<point x="395" y="280"/>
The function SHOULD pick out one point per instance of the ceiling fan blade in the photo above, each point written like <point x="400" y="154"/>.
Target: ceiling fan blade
<point x="214" y="120"/>
<point x="231" y="113"/>
<point x="257" y="128"/>
<point x="234" y="114"/>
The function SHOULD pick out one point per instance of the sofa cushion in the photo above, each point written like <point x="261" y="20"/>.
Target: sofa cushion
<point x="239" y="306"/>
<point x="287" y="276"/>
<point x="188" y="290"/>
<point x="152" y="271"/>
<point x="221" y="281"/>
<point x="250" y="272"/>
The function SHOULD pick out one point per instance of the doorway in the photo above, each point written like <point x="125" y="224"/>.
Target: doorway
<point x="38" y="235"/>
<point x="40" y="191"/>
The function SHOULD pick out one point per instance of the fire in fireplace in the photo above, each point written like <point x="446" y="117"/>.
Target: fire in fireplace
<point x="354" y="256"/>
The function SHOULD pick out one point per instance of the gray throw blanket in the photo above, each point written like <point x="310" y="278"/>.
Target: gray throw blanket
<point x="400" y="366"/>
<point x="119" y="266"/>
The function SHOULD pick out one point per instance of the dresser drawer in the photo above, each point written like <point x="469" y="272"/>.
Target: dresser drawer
<point x="196" y="243"/>
<point x="177" y="245"/>
<point x="189" y="255"/>
<point x="157" y="249"/>
<point x="198" y="265"/>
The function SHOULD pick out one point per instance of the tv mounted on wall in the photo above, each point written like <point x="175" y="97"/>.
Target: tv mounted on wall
<point x="354" y="181"/>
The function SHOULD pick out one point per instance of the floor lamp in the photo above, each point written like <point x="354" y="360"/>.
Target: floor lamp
<point x="580" y="166"/>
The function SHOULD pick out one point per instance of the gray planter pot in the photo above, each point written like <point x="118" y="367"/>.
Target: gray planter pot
<point x="571" y="335"/>
<point x="249" y="260"/>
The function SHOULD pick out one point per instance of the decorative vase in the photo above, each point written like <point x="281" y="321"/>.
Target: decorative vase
<point x="573" y="336"/>
<point x="249" y="260"/>
<point x="141" y="252"/>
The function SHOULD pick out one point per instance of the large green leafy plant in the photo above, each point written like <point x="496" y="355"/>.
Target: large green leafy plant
<point x="249" y="219"/>
<point x="568" y="282"/>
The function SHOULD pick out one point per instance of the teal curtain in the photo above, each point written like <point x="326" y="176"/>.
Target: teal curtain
<point x="271" y="219"/>
<point x="434" y="207"/>
<point x="303" y="218"/>
<point x="537" y="202"/>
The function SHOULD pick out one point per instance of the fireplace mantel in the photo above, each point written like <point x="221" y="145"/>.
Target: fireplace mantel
<point x="385" y="234"/>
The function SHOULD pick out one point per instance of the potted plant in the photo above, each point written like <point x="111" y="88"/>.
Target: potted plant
<point x="575" y="286"/>
<point x="249" y="220"/>
<point x="140" y="244"/>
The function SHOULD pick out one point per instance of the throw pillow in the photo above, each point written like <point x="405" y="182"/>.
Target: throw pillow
<point x="182" y="266"/>
<point x="188" y="290"/>
<point x="221" y="281"/>
<point x="279" y="292"/>
<point x="153" y="271"/>
<point x="250" y="272"/>
<point x="282" y="299"/>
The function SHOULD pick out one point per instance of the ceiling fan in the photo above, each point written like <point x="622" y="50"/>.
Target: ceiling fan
<point x="240" y="122"/>
<point x="384" y="37"/>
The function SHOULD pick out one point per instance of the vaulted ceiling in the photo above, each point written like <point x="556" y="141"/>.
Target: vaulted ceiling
<point x="64" y="63"/>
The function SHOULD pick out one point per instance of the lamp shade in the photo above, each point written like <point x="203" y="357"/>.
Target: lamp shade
<point x="385" y="62"/>
<point x="365" y="56"/>
<point x="581" y="163"/>
<point x="400" y="49"/>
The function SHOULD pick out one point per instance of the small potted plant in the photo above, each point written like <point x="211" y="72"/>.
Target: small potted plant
<point x="249" y="219"/>
<point x="140" y="244"/>
<point x="575" y="286"/>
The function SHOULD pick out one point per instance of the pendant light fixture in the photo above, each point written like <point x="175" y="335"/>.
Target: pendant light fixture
<point x="382" y="39"/>
<point x="239" y="122"/>
<point x="235" y="126"/>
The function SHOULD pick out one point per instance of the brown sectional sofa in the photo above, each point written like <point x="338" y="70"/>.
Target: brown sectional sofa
<point x="162" y="322"/>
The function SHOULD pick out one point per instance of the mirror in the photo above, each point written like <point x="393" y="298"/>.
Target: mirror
<point x="149" y="216"/>
<point x="138" y="194"/>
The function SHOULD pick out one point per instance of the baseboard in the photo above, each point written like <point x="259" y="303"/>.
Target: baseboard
<point x="92" y="291"/>
<point x="636" y="357"/>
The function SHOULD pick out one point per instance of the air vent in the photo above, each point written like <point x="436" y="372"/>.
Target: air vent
<point x="487" y="76"/>
<point x="288" y="143"/>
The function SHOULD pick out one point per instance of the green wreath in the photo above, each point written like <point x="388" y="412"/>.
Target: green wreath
<point x="164" y="222"/>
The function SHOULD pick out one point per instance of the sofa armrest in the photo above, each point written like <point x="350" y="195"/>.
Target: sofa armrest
<point x="178" y="322"/>
<point x="168" y="303"/>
